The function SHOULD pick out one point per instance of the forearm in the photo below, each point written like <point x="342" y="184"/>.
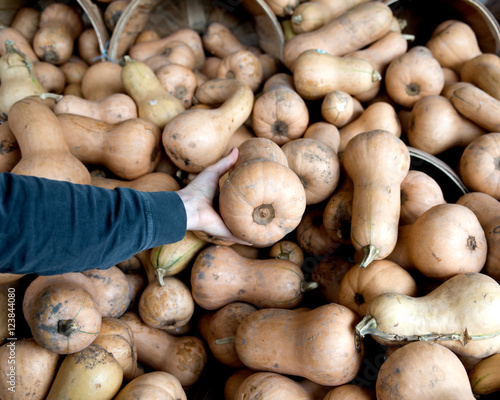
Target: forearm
<point x="51" y="227"/>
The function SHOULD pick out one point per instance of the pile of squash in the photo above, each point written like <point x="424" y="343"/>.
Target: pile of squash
<point x="362" y="282"/>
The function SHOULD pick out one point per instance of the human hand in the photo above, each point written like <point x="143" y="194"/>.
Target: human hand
<point x="198" y="196"/>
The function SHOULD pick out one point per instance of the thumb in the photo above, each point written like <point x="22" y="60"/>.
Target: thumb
<point x="225" y="163"/>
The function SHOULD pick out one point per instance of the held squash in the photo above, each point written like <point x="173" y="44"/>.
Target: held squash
<point x="370" y="21"/>
<point x="45" y="152"/>
<point x="486" y="208"/>
<point x="479" y="166"/>
<point x="333" y="357"/>
<point x="62" y="312"/>
<point x="184" y="357"/>
<point x="192" y="151"/>
<point x="130" y="149"/>
<point x="271" y="210"/>
<point x="92" y="373"/>
<point x="377" y="181"/>
<point x="220" y="276"/>
<point x="438" y="370"/>
<point x="460" y="314"/>
<point x="279" y="113"/>
<point x="317" y="73"/>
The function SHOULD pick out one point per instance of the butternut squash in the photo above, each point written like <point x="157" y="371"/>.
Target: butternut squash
<point x="287" y="250"/>
<point x="324" y="132"/>
<point x="181" y="137"/>
<point x="151" y="182"/>
<point x="483" y="71"/>
<point x="174" y="52"/>
<point x="220" y="276"/>
<point x="184" y="357"/>
<point x="317" y="73"/>
<point x="134" y="143"/>
<point x="101" y="80"/>
<point x="377" y="191"/>
<point x="244" y="66"/>
<point x="339" y="108"/>
<point x="179" y="81"/>
<point x="74" y="69"/>
<point x="26" y="21"/>
<point x="50" y="76"/>
<point x="328" y="273"/>
<point x="62" y="312"/>
<point x="151" y="385"/>
<point x="20" y="42"/>
<point x="469" y="327"/>
<point x="370" y="21"/>
<point x="88" y="46"/>
<point x="332" y="358"/>
<point x="484" y="376"/>
<point x="337" y="213"/>
<point x="270" y="385"/>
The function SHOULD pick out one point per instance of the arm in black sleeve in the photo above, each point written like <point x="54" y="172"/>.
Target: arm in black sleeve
<point x="51" y="227"/>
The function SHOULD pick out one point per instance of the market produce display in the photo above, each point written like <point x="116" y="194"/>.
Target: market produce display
<point x="365" y="280"/>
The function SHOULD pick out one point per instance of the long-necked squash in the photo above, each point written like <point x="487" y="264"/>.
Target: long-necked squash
<point x="197" y="138"/>
<point x="151" y="182"/>
<point x="376" y="178"/>
<point x="325" y="132"/>
<point x="469" y="327"/>
<point x="101" y="80"/>
<point x="325" y="347"/>
<point x="220" y="276"/>
<point x="151" y="385"/>
<point x="483" y="71"/>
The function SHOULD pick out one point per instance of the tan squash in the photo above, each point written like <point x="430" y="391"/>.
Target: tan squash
<point x="151" y="182"/>
<point x="350" y="391"/>
<point x="50" y="76"/>
<point x="469" y="328"/>
<point x="452" y="43"/>
<point x="328" y="273"/>
<point x="271" y="210"/>
<point x="88" y="46"/>
<point x="220" y="276"/>
<point x="143" y="50"/>
<point x="287" y="250"/>
<point x="479" y="167"/>
<point x="113" y="11"/>
<point x="311" y="234"/>
<point x="324" y="132"/>
<point x="92" y="373"/>
<point x="171" y="259"/>
<point x="413" y="75"/>
<point x="146" y="35"/>
<point x="436" y="126"/>
<point x="74" y="69"/>
<point x="137" y="282"/>
<point x="112" y="109"/>
<point x="111" y="289"/>
<point x="317" y="166"/>
<point x="438" y="369"/>
<point x="337" y="214"/>
<point x="179" y="81"/>
<point x="169" y="305"/>
<point x="62" y="329"/>
<point x="41" y="140"/>
<point x="153" y="101"/>
<point x="153" y="385"/>
<point x="377" y="116"/>
<point x="74" y="89"/>
<point x="221" y="331"/>
<point x="174" y="52"/>
<point x="244" y="66"/>
<point x="27" y="21"/>
<point x="27" y="368"/>
<point x="311" y="15"/>
<point x="486" y="207"/>
<point x="184" y="357"/>
<point x="457" y="246"/>
<point x="20" y="42"/>
<point x="135" y="144"/>
<point x="360" y="285"/>
<point x="483" y="71"/>
<point x="116" y="337"/>
<point x="101" y="80"/>
<point x="370" y="20"/>
<point x="339" y="108"/>
<point x="333" y="358"/>
<point x="220" y="41"/>
<point x="377" y="191"/>
<point x="484" y="376"/>
<point x="419" y="192"/>
<point x="270" y="385"/>
<point x="234" y="381"/>
<point x="59" y="26"/>
<point x="239" y="136"/>
<point x="18" y="78"/>
<point x="10" y="154"/>
<point x="279" y="113"/>
<point x="478" y="106"/>
<point x="181" y="136"/>
<point x="317" y="73"/>
<point x="380" y="54"/>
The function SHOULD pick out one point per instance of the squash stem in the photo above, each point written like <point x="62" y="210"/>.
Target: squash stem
<point x="376" y="76"/>
<point x="409" y="37"/>
<point x="67" y="326"/>
<point x="229" y="339"/>
<point x="308" y="286"/>
<point x="54" y="96"/>
<point x="370" y="252"/>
